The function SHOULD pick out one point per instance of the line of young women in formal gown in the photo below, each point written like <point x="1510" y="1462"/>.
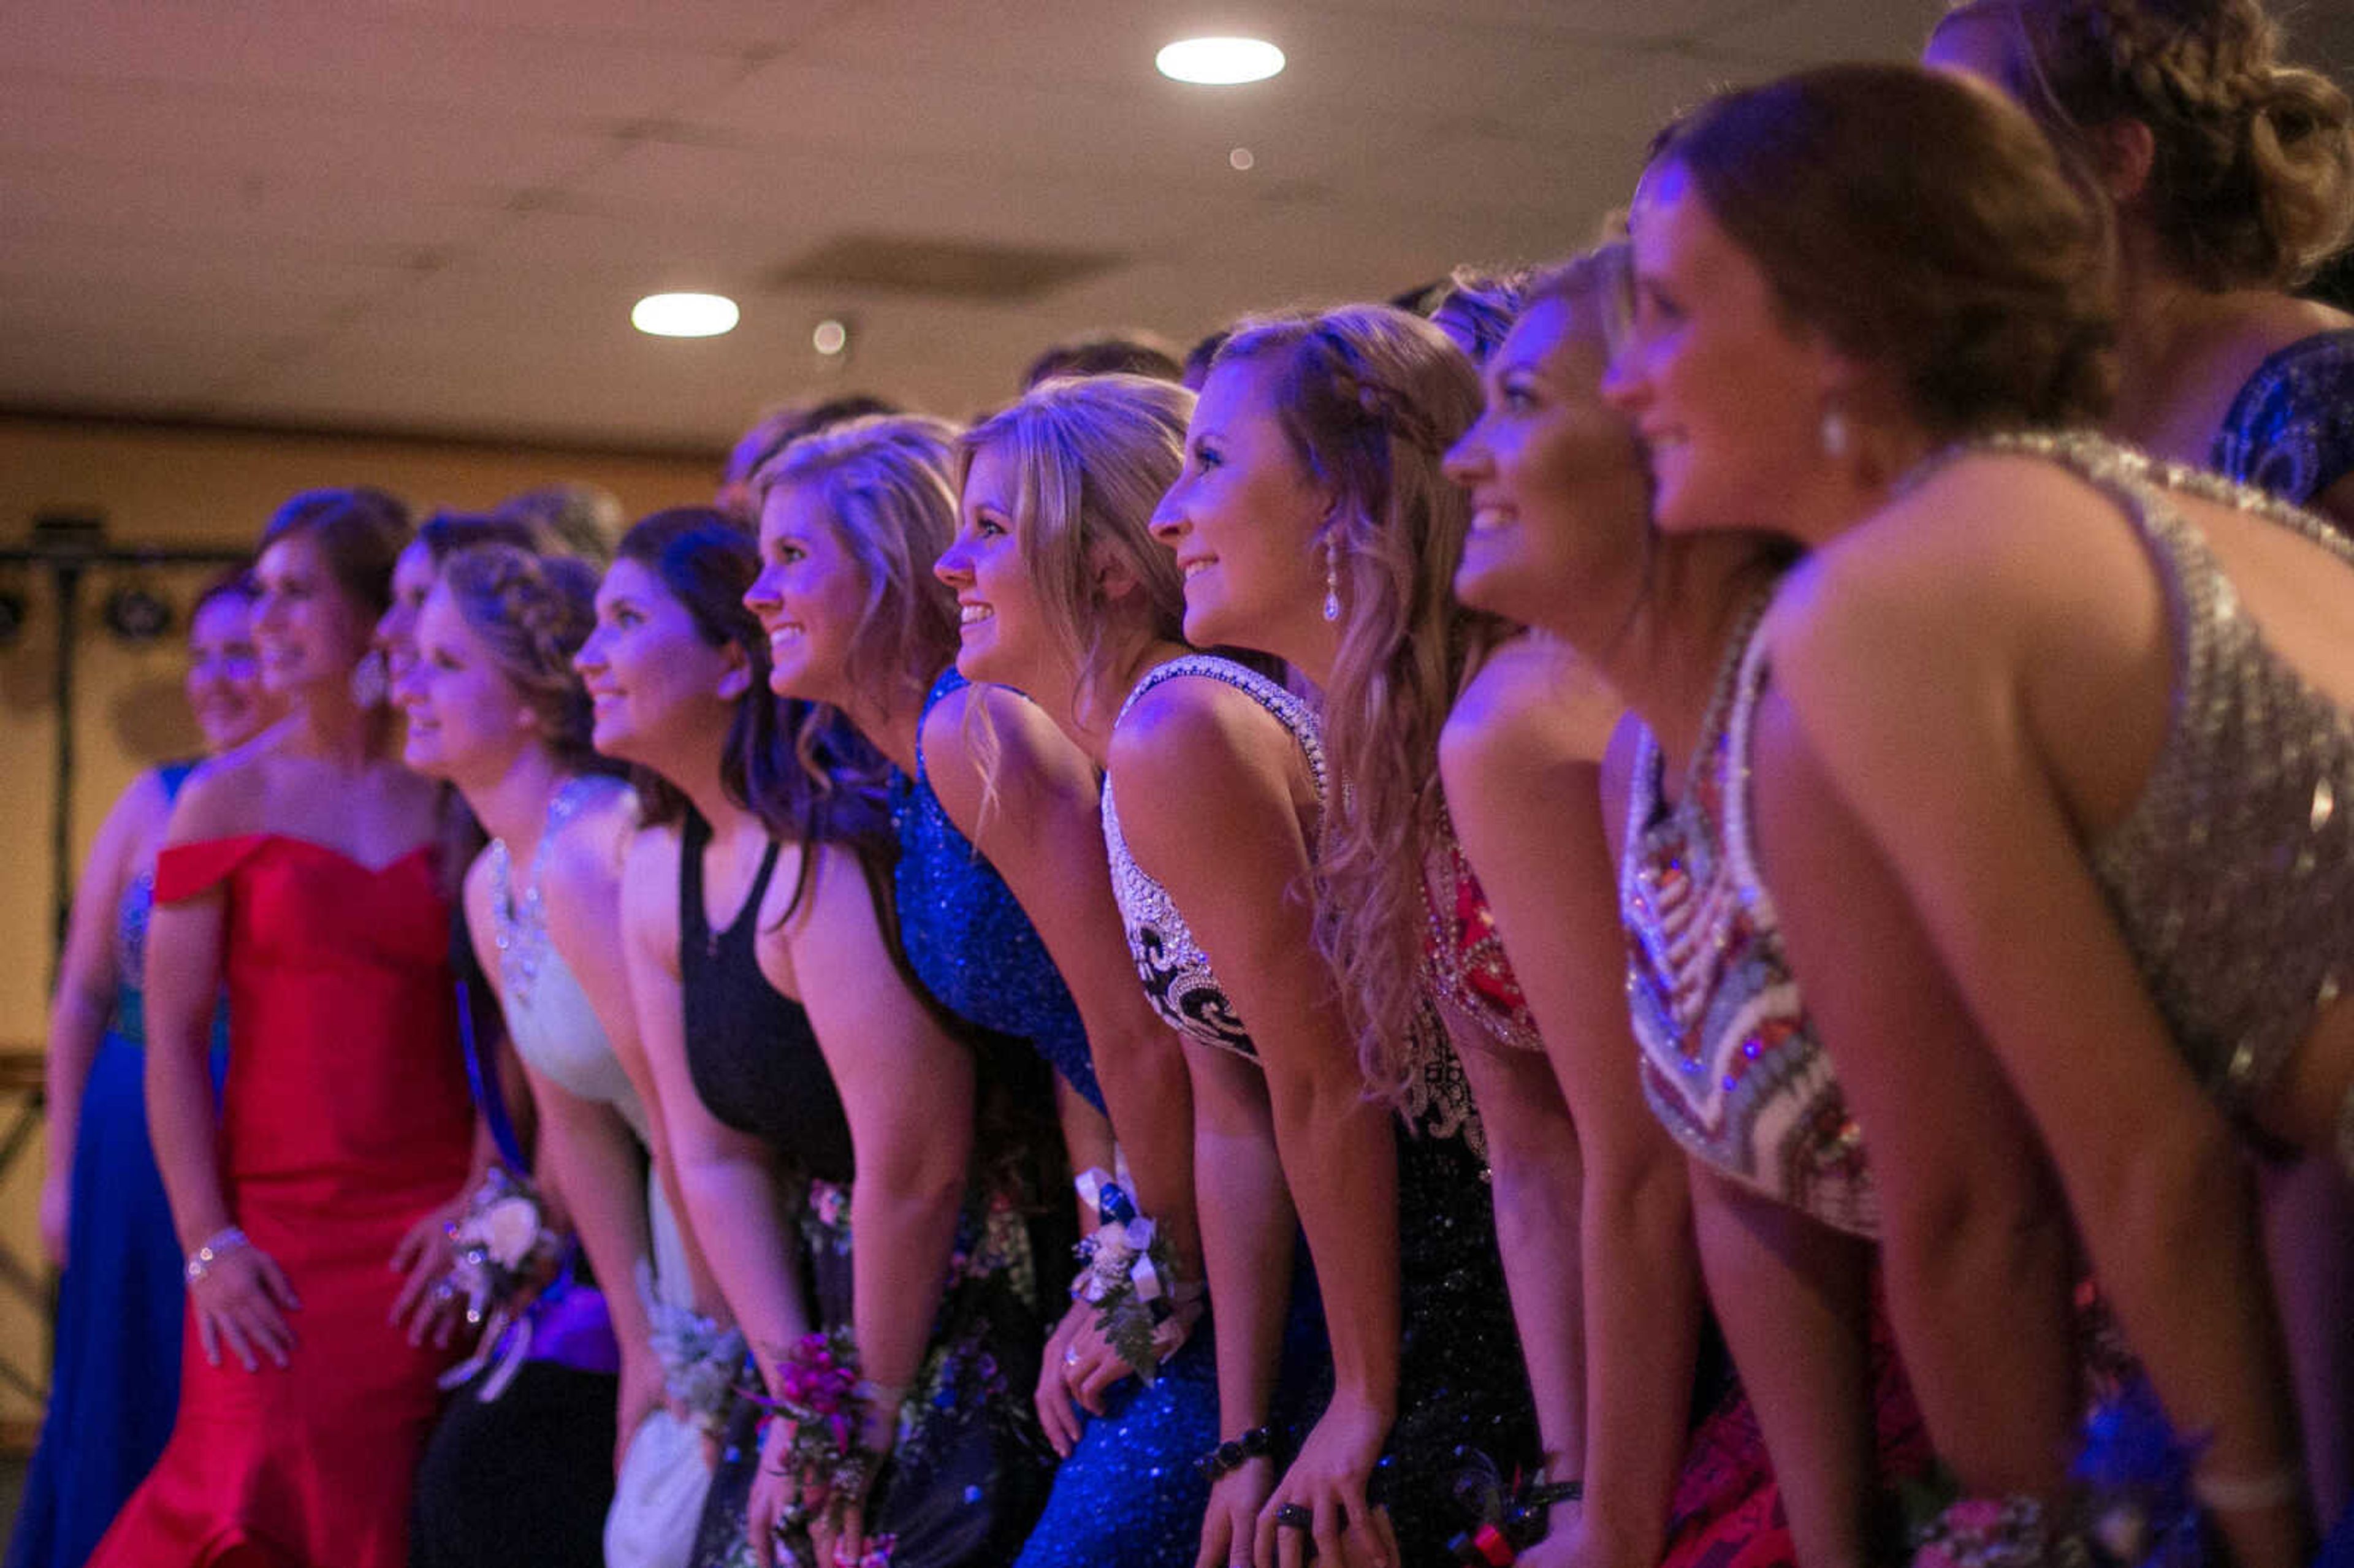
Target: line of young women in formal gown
<point x="1672" y="918"/>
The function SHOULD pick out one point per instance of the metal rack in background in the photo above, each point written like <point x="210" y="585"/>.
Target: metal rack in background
<point x="65" y="548"/>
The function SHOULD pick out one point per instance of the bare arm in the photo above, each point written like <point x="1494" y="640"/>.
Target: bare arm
<point x="1912" y="695"/>
<point x="1520" y="760"/>
<point x="1206" y="779"/>
<point x="1044" y="832"/>
<point x="590" y="930"/>
<point x="729" y="1183"/>
<point x="1975" y="1232"/>
<point x="88" y="976"/>
<point x="907" y="1089"/>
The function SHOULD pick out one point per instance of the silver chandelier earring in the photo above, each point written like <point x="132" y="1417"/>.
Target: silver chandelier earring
<point x="1331" y="578"/>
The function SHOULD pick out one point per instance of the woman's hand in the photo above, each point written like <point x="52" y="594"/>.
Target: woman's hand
<point x="1080" y="1367"/>
<point x="426" y="1255"/>
<point x="241" y="1301"/>
<point x="776" y="1494"/>
<point x="56" y="1213"/>
<point x="1327" y="1482"/>
<point x="1231" y="1527"/>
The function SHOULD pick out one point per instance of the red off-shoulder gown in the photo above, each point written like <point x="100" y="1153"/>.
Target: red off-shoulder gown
<point x="344" y="1118"/>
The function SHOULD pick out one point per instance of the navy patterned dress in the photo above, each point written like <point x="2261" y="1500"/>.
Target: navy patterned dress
<point x="2291" y="428"/>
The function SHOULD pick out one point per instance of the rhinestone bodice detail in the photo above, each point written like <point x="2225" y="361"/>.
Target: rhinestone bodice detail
<point x="548" y="1015"/>
<point x="2232" y="875"/>
<point x="1731" y="1062"/>
<point x="1466" y="967"/>
<point x="1175" y="971"/>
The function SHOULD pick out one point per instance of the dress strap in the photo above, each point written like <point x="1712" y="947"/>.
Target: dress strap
<point x="189" y="871"/>
<point x="1290" y="710"/>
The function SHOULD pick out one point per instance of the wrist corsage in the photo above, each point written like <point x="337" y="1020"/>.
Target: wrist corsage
<point x="1511" y="1516"/>
<point x="702" y="1362"/>
<point x="507" y="1255"/>
<point x="822" y="1406"/>
<point x="1144" y="1308"/>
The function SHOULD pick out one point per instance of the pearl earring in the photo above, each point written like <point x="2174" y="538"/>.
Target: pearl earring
<point x="1835" y="435"/>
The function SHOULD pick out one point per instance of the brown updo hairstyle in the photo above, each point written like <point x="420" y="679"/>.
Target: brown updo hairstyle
<point x="828" y="789"/>
<point x="1920" y="224"/>
<point x="1368" y="398"/>
<point x="2251" y="179"/>
<point x="532" y="613"/>
<point x="358" y="531"/>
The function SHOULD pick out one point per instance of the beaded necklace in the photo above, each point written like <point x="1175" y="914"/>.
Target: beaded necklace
<point x="520" y="927"/>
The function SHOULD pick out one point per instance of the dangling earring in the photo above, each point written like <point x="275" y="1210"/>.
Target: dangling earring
<point x="1332" y="577"/>
<point x="1835" y="435"/>
<point x="371" y="682"/>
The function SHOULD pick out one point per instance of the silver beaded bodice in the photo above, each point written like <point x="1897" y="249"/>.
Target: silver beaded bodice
<point x="2232" y="876"/>
<point x="1176" y="973"/>
<point x="548" y="1016"/>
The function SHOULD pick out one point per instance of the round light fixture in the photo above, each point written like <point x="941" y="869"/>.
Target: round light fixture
<point x="830" y="337"/>
<point x="1219" y="62"/>
<point x="1242" y="161"/>
<point x="684" y="315"/>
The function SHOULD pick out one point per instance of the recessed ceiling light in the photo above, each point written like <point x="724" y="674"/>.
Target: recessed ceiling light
<point x="1219" y="62"/>
<point x="684" y="315"/>
<point x="830" y="337"/>
<point x="1242" y="160"/>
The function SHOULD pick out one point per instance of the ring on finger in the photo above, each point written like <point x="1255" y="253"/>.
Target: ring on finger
<point x="1294" y="1516"/>
<point x="1071" y="1356"/>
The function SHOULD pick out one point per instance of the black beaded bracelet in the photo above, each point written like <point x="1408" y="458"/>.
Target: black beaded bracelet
<point x="1234" y="1453"/>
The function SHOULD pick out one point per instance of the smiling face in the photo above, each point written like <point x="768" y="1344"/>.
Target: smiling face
<point x="810" y="597"/>
<point x="1555" y="475"/>
<point x="395" y="628"/>
<point x="660" y="689"/>
<point x="223" y="678"/>
<point x="309" y="632"/>
<point x="1005" y="635"/>
<point x="1728" y="396"/>
<point x="1246" y="521"/>
<point x="467" y="722"/>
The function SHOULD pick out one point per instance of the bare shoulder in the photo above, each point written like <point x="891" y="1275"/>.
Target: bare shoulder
<point x="1025" y="764"/>
<point x="226" y="796"/>
<point x="1533" y="706"/>
<point x="1202" y="764"/>
<point x="650" y="868"/>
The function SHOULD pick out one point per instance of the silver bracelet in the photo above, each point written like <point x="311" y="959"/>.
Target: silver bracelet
<point x="227" y="1239"/>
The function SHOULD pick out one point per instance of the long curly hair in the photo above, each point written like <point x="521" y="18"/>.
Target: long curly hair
<point x="2252" y="181"/>
<point x="1369" y="399"/>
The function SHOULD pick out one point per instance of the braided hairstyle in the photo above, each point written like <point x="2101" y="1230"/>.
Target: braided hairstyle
<point x="1370" y="398"/>
<point x="2251" y="180"/>
<point x="533" y="613"/>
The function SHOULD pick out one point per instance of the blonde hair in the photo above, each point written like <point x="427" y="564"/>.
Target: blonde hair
<point x="888" y="485"/>
<point x="1369" y="399"/>
<point x="2252" y="182"/>
<point x="1091" y="458"/>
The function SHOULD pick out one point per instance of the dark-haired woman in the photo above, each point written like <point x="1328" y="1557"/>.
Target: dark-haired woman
<point x="2231" y="176"/>
<point x="783" y="1037"/>
<point x="2093" y="715"/>
<point x="302" y="868"/>
<point x="104" y="1217"/>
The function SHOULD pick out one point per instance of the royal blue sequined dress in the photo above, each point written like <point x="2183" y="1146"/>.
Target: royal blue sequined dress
<point x="116" y="1384"/>
<point x="1129" y="1496"/>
